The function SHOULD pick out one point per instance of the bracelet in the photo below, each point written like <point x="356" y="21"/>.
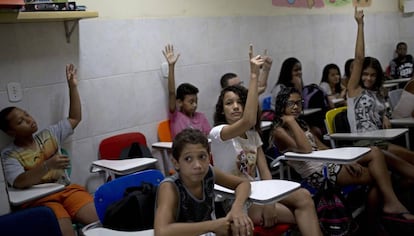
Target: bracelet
<point x="45" y="167"/>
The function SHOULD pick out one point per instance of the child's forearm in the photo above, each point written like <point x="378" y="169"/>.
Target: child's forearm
<point x="198" y="228"/>
<point x="242" y="193"/>
<point x="75" y="110"/>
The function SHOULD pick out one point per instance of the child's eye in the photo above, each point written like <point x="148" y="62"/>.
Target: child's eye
<point x="203" y="157"/>
<point x="188" y="158"/>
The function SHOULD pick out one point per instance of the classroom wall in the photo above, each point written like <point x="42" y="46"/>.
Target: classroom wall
<point x="119" y="56"/>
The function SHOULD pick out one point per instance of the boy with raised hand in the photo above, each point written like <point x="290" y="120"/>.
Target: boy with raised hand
<point x="185" y="200"/>
<point x="185" y="115"/>
<point x="35" y="158"/>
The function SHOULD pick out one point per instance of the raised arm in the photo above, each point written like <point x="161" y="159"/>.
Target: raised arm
<point x="75" y="111"/>
<point x="249" y="118"/>
<point x="354" y="89"/>
<point x="264" y="75"/>
<point x="171" y="60"/>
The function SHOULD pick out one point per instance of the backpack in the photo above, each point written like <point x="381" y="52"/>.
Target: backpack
<point x="135" y="211"/>
<point x="314" y="97"/>
<point x="136" y="150"/>
<point x="335" y="219"/>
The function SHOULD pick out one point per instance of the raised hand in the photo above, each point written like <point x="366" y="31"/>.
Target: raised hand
<point x="267" y="61"/>
<point x="169" y="54"/>
<point x="71" y="74"/>
<point x="359" y="16"/>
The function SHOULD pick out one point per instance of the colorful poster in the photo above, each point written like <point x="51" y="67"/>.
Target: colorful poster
<point x="362" y="3"/>
<point x="337" y="3"/>
<point x="298" y="3"/>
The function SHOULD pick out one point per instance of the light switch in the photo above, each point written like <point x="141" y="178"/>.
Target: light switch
<point x="164" y="70"/>
<point x="14" y="91"/>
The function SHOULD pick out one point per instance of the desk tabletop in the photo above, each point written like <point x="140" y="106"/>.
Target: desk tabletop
<point x="125" y="166"/>
<point x="344" y="155"/>
<point x="384" y="134"/>
<point x="310" y="111"/>
<point x="264" y="191"/>
<point x="20" y="196"/>
<point x="109" y="232"/>
<point x="405" y="122"/>
<point x="264" y="125"/>
<point x="402" y="80"/>
<point x="166" y="145"/>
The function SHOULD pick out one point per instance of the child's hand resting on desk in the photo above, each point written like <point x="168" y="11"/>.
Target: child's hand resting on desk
<point x="241" y="224"/>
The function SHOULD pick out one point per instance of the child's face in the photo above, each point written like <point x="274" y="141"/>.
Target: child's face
<point x="369" y="76"/>
<point x="189" y="104"/>
<point x="333" y="76"/>
<point x="294" y="105"/>
<point x="401" y="50"/>
<point x="232" y="107"/>
<point x="193" y="163"/>
<point x="21" y="123"/>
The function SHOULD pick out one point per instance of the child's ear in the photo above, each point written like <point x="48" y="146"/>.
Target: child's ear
<point x="175" y="163"/>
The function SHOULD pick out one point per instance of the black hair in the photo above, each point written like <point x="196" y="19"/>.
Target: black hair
<point x="376" y="65"/>
<point x="188" y="136"/>
<point x="347" y="67"/>
<point x="219" y="117"/>
<point x="224" y="81"/>
<point x="186" y="89"/>
<point x="325" y="76"/>
<point x="285" y="75"/>
<point x="4" y="122"/>
<point x="282" y="99"/>
<point x="401" y="43"/>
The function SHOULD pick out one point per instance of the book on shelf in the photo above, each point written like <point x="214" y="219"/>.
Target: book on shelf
<point x="49" y="6"/>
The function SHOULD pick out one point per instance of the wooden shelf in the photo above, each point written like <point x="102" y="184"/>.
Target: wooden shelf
<point x="49" y="16"/>
<point x="44" y="16"/>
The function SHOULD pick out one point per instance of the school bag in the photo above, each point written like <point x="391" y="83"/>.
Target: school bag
<point x="136" y="150"/>
<point x="135" y="211"/>
<point x="335" y="219"/>
<point x="314" y="97"/>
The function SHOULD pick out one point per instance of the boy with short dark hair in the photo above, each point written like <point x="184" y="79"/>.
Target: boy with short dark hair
<point x="34" y="159"/>
<point x="402" y="65"/>
<point x="185" y="116"/>
<point x="185" y="200"/>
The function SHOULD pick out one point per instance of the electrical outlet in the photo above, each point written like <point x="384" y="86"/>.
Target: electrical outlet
<point x="14" y="91"/>
<point x="164" y="70"/>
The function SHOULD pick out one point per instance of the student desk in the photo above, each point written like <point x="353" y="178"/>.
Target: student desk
<point x="403" y="122"/>
<point x="344" y="155"/>
<point x="381" y="134"/>
<point x="265" y="125"/>
<point x="310" y="111"/>
<point x="264" y="191"/>
<point x="390" y="85"/>
<point x="125" y="166"/>
<point x="402" y="80"/>
<point x="21" y="196"/>
<point x="110" y="232"/>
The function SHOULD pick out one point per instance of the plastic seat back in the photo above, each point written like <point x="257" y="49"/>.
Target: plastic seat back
<point x="110" y="148"/>
<point x="330" y="118"/>
<point x="164" y="131"/>
<point x="113" y="191"/>
<point x="394" y="96"/>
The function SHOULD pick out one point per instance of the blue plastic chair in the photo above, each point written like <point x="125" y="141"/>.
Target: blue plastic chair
<point x="113" y="191"/>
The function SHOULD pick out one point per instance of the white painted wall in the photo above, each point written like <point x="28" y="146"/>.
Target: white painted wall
<point x="119" y="56"/>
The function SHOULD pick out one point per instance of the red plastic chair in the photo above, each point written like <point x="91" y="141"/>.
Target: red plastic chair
<point x="110" y="148"/>
<point x="276" y="230"/>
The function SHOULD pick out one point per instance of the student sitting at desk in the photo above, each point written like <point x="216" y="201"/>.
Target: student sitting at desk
<point x="185" y="115"/>
<point x="34" y="159"/>
<point x="292" y="134"/>
<point x="185" y="201"/>
<point x="403" y="65"/>
<point x="332" y="86"/>
<point x="237" y="149"/>
<point x="367" y="109"/>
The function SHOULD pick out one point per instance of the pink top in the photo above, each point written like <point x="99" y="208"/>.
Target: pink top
<point x="179" y="121"/>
